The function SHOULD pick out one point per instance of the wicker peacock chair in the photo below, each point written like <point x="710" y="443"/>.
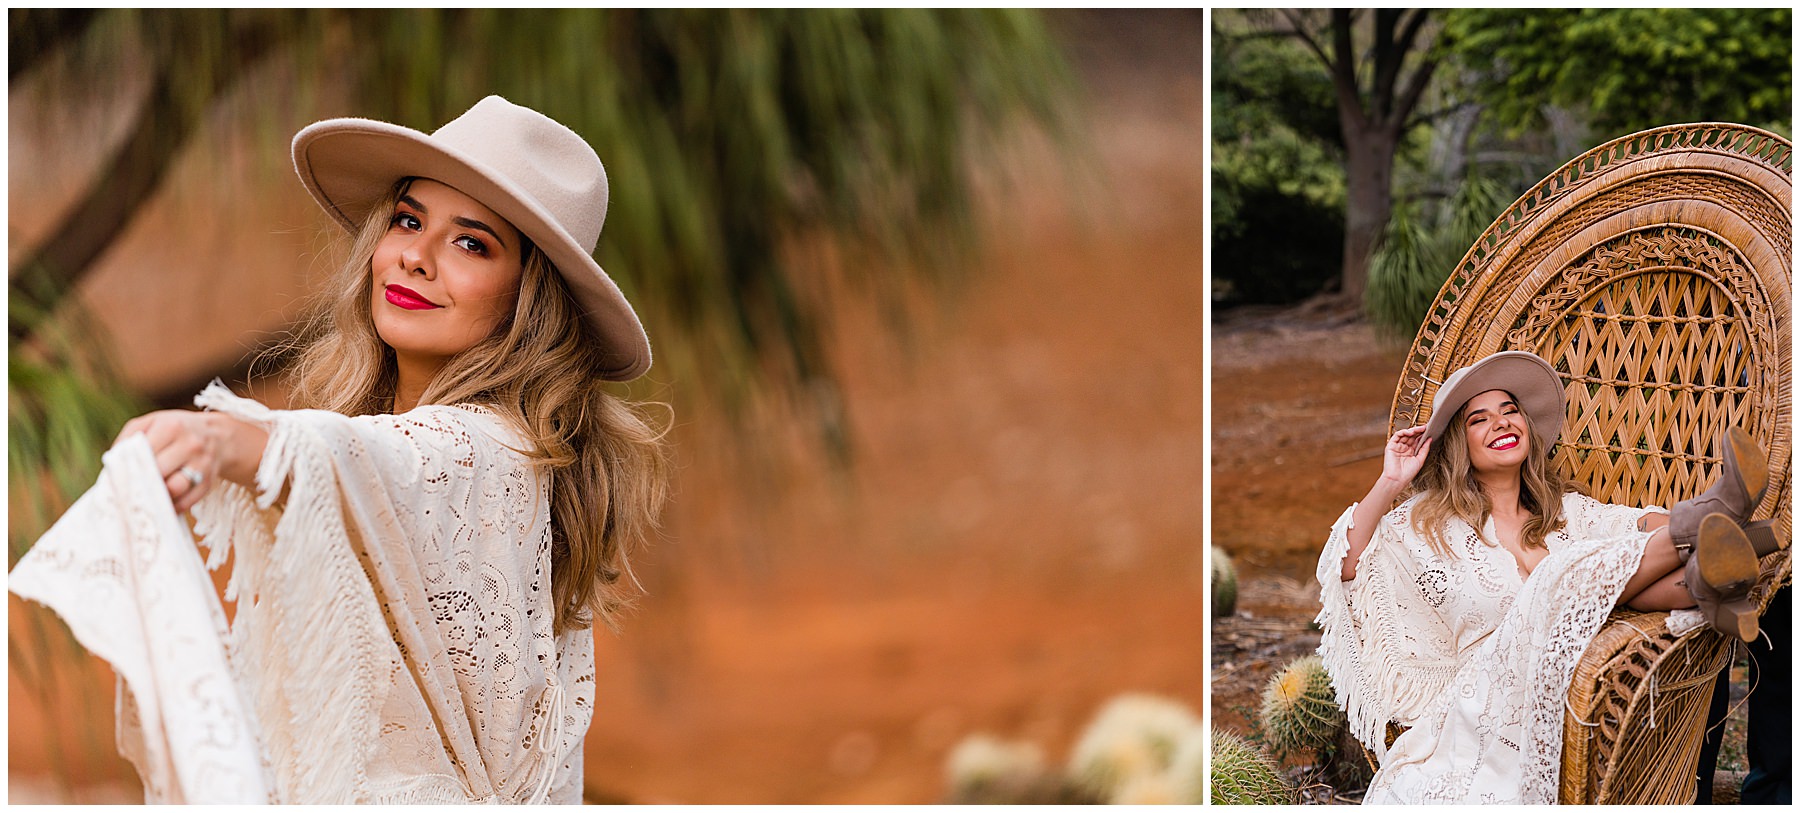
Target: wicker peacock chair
<point x="1653" y="274"/>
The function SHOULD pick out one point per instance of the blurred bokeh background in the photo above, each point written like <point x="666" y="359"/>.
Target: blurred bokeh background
<point x="1357" y="155"/>
<point x="926" y="293"/>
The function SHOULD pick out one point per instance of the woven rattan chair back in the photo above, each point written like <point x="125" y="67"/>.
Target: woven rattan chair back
<point x="1653" y="273"/>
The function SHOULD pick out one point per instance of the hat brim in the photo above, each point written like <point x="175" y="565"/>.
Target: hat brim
<point x="348" y="165"/>
<point x="1530" y="379"/>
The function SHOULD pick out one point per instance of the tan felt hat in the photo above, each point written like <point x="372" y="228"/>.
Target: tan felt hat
<point x="1530" y="379"/>
<point x="539" y="175"/>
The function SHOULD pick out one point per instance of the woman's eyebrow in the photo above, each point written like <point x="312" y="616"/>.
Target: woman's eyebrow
<point x="413" y="202"/>
<point x="470" y="223"/>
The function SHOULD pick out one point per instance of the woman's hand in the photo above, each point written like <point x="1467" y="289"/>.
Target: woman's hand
<point x="1400" y="463"/>
<point x="1405" y="456"/>
<point x="194" y="449"/>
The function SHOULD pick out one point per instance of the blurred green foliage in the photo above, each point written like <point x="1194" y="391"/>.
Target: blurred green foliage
<point x="1425" y="238"/>
<point x="734" y="140"/>
<point x="1626" y="70"/>
<point x="64" y="404"/>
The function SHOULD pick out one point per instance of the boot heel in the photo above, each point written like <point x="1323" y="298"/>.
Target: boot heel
<point x="1761" y="534"/>
<point x="1727" y="560"/>
<point x="1737" y="618"/>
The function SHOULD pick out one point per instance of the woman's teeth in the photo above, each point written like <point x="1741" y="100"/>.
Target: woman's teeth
<point x="1505" y="442"/>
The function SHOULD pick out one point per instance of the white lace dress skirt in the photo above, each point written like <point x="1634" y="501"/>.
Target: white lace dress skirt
<point x="1469" y="653"/>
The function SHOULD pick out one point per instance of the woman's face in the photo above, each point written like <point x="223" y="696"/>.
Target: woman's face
<point x="1495" y="428"/>
<point x="446" y="274"/>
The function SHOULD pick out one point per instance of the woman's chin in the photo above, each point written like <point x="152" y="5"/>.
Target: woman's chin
<point x="1499" y="463"/>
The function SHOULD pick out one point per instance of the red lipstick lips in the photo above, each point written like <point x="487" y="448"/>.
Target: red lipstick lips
<point x="401" y="296"/>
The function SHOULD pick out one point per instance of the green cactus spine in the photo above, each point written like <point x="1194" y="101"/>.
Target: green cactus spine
<point x="1299" y="708"/>
<point x="1242" y="775"/>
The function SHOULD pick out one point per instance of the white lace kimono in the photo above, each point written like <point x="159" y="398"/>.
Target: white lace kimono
<point x="393" y="632"/>
<point x="1475" y="658"/>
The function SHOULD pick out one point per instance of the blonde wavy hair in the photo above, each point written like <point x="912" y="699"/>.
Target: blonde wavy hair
<point x="608" y="464"/>
<point x="1450" y="490"/>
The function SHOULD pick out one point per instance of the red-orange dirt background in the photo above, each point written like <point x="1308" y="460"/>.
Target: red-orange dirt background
<point x="1299" y="416"/>
<point x="1020" y="536"/>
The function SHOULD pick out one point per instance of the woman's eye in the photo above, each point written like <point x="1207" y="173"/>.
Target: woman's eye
<point x="405" y="221"/>
<point x="472" y="244"/>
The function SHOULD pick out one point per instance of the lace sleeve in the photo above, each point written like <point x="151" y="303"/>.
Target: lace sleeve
<point x="1381" y="643"/>
<point x="451" y="524"/>
<point x="120" y="569"/>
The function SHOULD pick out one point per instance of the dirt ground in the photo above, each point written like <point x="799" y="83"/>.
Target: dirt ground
<point x="1299" y="416"/>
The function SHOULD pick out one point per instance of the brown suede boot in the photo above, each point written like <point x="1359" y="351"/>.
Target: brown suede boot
<point x="1719" y="576"/>
<point x="1735" y="494"/>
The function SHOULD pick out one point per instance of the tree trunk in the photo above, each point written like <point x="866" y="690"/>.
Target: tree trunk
<point x="1450" y="146"/>
<point x="168" y="119"/>
<point x="1372" y="118"/>
<point x="1369" y="165"/>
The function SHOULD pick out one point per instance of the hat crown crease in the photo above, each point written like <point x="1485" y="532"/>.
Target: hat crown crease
<point x="555" y="169"/>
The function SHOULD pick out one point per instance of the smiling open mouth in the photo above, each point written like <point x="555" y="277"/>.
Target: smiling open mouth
<point x="1504" y="442"/>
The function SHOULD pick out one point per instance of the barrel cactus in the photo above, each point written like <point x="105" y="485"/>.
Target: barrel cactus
<point x="1133" y="736"/>
<point x="1242" y="775"/>
<point x="1299" y="708"/>
<point x="1186" y="774"/>
<point x="1148" y="789"/>
<point x="984" y="769"/>
<point x="1224" y="583"/>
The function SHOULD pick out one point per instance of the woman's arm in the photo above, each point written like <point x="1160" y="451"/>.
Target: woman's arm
<point x="210" y="443"/>
<point x="1404" y="456"/>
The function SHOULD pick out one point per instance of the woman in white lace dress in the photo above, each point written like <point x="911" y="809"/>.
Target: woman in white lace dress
<point x="419" y="554"/>
<point x="1460" y="614"/>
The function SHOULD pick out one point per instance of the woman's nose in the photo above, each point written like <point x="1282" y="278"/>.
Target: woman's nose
<point x="415" y="260"/>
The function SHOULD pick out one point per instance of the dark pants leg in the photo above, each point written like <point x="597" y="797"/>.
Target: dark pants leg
<point x="1715" y="736"/>
<point x="1769" y="744"/>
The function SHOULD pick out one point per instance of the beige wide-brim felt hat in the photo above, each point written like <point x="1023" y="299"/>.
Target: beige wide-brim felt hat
<point x="1531" y="380"/>
<point x="539" y="175"/>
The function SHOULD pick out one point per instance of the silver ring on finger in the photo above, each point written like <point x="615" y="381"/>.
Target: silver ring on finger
<point x="193" y="475"/>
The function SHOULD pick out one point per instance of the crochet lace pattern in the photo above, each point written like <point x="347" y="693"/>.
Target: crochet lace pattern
<point x="1464" y="649"/>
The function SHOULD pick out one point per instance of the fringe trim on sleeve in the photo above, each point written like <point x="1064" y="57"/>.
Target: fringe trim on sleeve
<point x="1339" y="646"/>
<point x="309" y="639"/>
<point x="1374" y="682"/>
